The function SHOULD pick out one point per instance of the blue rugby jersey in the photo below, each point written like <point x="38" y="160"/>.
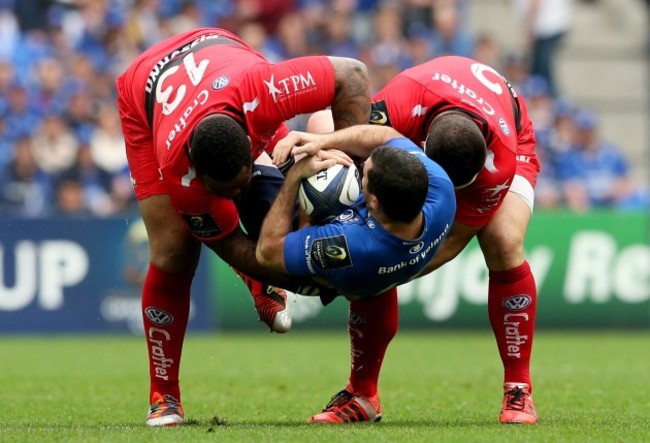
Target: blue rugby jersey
<point x="357" y="256"/>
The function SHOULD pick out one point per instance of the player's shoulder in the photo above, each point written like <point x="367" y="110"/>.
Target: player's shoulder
<point x="402" y="142"/>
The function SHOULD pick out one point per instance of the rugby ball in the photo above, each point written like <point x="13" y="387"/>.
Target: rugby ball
<point x="329" y="192"/>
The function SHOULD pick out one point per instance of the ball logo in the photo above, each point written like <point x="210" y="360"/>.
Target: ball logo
<point x="517" y="302"/>
<point x="321" y="175"/>
<point x="336" y="252"/>
<point x="158" y="316"/>
<point x="221" y="82"/>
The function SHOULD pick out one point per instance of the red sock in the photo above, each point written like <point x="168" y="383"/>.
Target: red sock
<point x="165" y="311"/>
<point x="372" y="325"/>
<point x="512" y="304"/>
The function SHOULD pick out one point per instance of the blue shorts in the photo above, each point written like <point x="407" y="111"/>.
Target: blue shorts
<point x="254" y="203"/>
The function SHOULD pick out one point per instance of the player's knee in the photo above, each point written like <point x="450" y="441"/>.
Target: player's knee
<point x="175" y="251"/>
<point x="502" y="249"/>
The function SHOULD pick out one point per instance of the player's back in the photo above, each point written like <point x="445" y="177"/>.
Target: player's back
<point x="417" y="95"/>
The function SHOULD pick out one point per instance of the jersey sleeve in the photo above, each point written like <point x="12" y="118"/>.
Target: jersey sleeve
<point x="296" y="248"/>
<point x="321" y="251"/>
<point x="298" y="86"/>
<point x="274" y="93"/>
<point x="526" y="140"/>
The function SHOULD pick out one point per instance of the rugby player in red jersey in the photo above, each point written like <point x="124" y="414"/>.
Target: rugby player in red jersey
<point x="200" y="112"/>
<point x="470" y="121"/>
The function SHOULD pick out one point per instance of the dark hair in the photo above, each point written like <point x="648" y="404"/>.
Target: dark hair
<point x="219" y="148"/>
<point x="400" y="182"/>
<point x="457" y="144"/>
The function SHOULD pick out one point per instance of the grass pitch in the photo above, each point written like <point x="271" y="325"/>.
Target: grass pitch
<point x="258" y="387"/>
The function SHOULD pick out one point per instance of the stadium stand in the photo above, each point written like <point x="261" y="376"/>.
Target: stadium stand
<point x="61" y="150"/>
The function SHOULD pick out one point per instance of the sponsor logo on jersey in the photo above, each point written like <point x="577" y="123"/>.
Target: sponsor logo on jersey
<point x="336" y="252"/>
<point x="517" y="302"/>
<point x="492" y="197"/>
<point x="504" y="126"/>
<point x="220" y="83"/>
<point x="379" y="114"/>
<point x="420" y="259"/>
<point x="181" y="124"/>
<point x="355" y="319"/>
<point x="251" y="106"/>
<point x="497" y="189"/>
<point x="186" y="180"/>
<point x="346" y="215"/>
<point x="467" y="94"/>
<point x="203" y="225"/>
<point x="158" y="316"/>
<point x="523" y="158"/>
<point x="418" y="110"/>
<point x="330" y="252"/>
<point x="489" y="162"/>
<point x="289" y="86"/>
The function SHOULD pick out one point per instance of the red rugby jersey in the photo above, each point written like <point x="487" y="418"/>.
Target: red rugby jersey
<point x="176" y="83"/>
<point x="413" y="98"/>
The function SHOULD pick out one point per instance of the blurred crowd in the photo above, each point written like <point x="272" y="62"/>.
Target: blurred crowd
<point x="61" y="147"/>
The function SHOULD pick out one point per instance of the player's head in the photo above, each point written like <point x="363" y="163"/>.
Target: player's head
<point x="399" y="182"/>
<point x="456" y="143"/>
<point x="220" y="151"/>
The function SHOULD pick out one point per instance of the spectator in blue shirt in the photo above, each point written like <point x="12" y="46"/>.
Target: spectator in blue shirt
<point x="594" y="173"/>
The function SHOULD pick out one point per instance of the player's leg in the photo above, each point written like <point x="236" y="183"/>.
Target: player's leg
<point x="174" y="255"/>
<point x="512" y="302"/>
<point x="166" y="304"/>
<point x="372" y="324"/>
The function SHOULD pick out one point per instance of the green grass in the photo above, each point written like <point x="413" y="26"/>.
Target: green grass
<point x="436" y="386"/>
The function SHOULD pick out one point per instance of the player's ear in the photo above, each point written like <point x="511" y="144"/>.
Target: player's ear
<point x="372" y="202"/>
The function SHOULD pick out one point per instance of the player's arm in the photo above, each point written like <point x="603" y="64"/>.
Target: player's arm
<point x="278" y="222"/>
<point x="351" y="104"/>
<point x="357" y="141"/>
<point x="455" y="242"/>
<point x="238" y="251"/>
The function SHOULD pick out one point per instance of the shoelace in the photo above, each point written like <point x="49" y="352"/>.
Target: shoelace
<point x="338" y="399"/>
<point x="166" y="400"/>
<point x="516" y="399"/>
<point x="275" y="294"/>
<point x="268" y="303"/>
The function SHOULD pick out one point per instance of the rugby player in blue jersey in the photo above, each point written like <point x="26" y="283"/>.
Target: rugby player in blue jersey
<point x="404" y="213"/>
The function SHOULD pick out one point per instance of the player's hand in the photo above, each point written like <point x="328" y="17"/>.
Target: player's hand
<point x="310" y="165"/>
<point x="296" y="143"/>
